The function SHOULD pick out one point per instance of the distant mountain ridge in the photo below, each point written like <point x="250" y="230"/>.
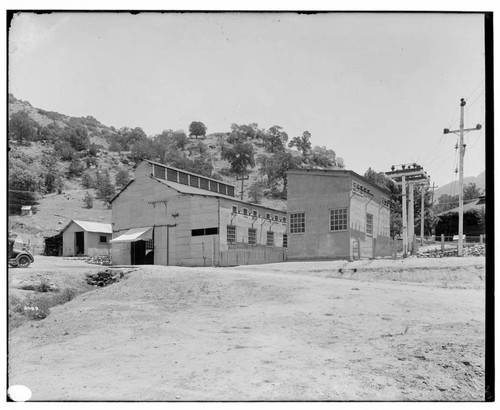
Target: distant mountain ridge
<point x="452" y="187"/>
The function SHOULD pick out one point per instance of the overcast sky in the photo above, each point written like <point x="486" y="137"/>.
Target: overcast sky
<point x="376" y="88"/>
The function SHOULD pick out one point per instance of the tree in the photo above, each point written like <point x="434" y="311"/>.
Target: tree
<point x="88" y="179"/>
<point x="22" y="127"/>
<point x="79" y="139"/>
<point x="302" y="143"/>
<point x="255" y="191"/>
<point x="122" y="178"/>
<point x="240" y="156"/>
<point x="25" y="181"/>
<point x="76" y="168"/>
<point x="324" y="158"/>
<point x="471" y="191"/>
<point x="105" y="189"/>
<point x="197" y="129"/>
<point x="143" y="149"/>
<point x="275" y="139"/>
<point x="276" y="167"/>
<point x="53" y="179"/>
<point x="64" y="150"/>
<point x="446" y="202"/>
<point x="88" y="200"/>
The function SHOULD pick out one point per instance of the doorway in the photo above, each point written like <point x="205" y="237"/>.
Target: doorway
<point x="79" y="243"/>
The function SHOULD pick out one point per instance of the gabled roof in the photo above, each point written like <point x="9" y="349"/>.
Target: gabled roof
<point x="91" y="226"/>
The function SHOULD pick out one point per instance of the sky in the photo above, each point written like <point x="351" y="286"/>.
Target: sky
<point x="377" y="88"/>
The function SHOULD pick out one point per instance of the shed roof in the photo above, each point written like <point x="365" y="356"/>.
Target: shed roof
<point x="477" y="204"/>
<point x="91" y="226"/>
<point x="186" y="189"/>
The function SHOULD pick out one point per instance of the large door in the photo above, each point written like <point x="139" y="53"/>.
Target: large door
<point x="79" y="243"/>
<point x="161" y="255"/>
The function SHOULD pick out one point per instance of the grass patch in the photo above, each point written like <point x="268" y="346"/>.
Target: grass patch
<point x="36" y="307"/>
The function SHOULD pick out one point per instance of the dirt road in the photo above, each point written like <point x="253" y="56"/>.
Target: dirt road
<point x="271" y="332"/>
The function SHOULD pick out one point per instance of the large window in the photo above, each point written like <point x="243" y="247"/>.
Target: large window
<point x="298" y="222"/>
<point x="338" y="219"/>
<point x="252" y="236"/>
<point x="204" y="231"/>
<point x="369" y="224"/>
<point x="270" y="238"/>
<point x="231" y="234"/>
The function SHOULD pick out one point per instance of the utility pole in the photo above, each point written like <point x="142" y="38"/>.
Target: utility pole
<point x="411" y="216"/>
<point x="242" y="178"/>
<point x="461" y="132"/>
<point x="433" y="187"/>
<point x="422" y="216"/>
<point x="411" y="173"/>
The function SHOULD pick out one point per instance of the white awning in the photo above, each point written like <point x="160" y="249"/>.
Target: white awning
<point x="135" y="234"/>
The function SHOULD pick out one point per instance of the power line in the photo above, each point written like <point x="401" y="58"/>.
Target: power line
<point x="472" y="103"/>
<point x="472" y="93"/>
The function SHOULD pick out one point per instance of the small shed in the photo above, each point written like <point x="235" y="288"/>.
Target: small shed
<point x="26" y="210"/>
<point x="86" y="238"/>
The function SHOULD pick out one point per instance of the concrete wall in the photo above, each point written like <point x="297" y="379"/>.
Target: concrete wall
<point x="243" y="222"/>
<point x="134" y="208"/>
<point x="316" y="194"/>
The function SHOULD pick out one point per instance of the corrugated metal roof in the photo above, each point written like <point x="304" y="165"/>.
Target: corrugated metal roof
<point x="477" y="205"/>
<point x="92" y="226"/>
<point x="135" y="234"/>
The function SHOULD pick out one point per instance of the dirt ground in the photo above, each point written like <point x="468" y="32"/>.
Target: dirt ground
<point x="367" y="330"/>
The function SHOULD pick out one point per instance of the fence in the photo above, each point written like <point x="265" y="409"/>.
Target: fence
<point x="234" y="257"/>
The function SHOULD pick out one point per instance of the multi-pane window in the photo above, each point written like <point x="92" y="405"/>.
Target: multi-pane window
<point x="275" y="217"/>
<point x="254" y="214"/>
<point x="172" y="175"/>
<point x="245" y="211"/>
<point x="231" y="234"/>
<point x="159" y="171"/>
<point x="183" y="178"/>
<point x="194" y="181"/>
<point x="230" y="190"/>
<point x="268" y="216"/>
<point x="204" y="183"/>
<point x="369" y="224"/>
<point x="252" y="236"/>
<point x="270" y="238"/>
<point x="285" y="240"/>
<point x="338" y="219"/>
<point x="235" y="209"/>
<point x="298" y="222"/>
<point x="284" y="219"/>
<point x="103" y="239"/>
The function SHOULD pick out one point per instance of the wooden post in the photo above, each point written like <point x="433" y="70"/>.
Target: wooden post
<point x="405" y="218"/>
<point x="422" y="216"/>
<point x="213" y="251"/>
<point x="374" y="248"/>
<point x="442" y="241"/>
<point x="411" y="217"/>
<point x="395" y="247"/>
<point x="359" y="249"/>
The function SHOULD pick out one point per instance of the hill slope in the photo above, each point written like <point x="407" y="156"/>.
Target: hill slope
<point x="452" y="187"/>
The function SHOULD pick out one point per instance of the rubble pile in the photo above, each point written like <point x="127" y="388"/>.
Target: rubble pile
<point x="474" y="250"/>
<point x="104" y="277"/>
<point x="99" y="260"/>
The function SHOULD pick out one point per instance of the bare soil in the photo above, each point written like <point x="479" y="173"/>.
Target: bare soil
<point x="391" y="330"/>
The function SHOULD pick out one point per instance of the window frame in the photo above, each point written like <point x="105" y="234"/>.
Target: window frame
<point x="331" y="218"/>
<point x="270" y="234"/>
<point x="254" y="236"/>
<point x="105" y="239"/>
<point x="228" y="227"/>
<point x="293" y="225"/>
<point x="369" y="225"/>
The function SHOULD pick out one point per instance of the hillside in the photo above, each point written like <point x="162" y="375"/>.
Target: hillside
<point x="452" y="187"/>
<point x="53" y="133"/>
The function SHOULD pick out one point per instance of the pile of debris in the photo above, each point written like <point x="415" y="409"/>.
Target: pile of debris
<point x="474" y="250"/>
<point x="104" y="277"/>
<point x="99" y="260"/>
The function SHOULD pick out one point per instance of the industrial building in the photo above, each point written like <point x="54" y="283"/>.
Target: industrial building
<point x="336" y="214"/>
<point x="167" y="216"/>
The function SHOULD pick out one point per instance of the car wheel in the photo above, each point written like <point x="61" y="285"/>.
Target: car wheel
<point x="23" y="261"/>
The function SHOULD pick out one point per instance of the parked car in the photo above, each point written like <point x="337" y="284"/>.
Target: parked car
<point x="19" y="258"/>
